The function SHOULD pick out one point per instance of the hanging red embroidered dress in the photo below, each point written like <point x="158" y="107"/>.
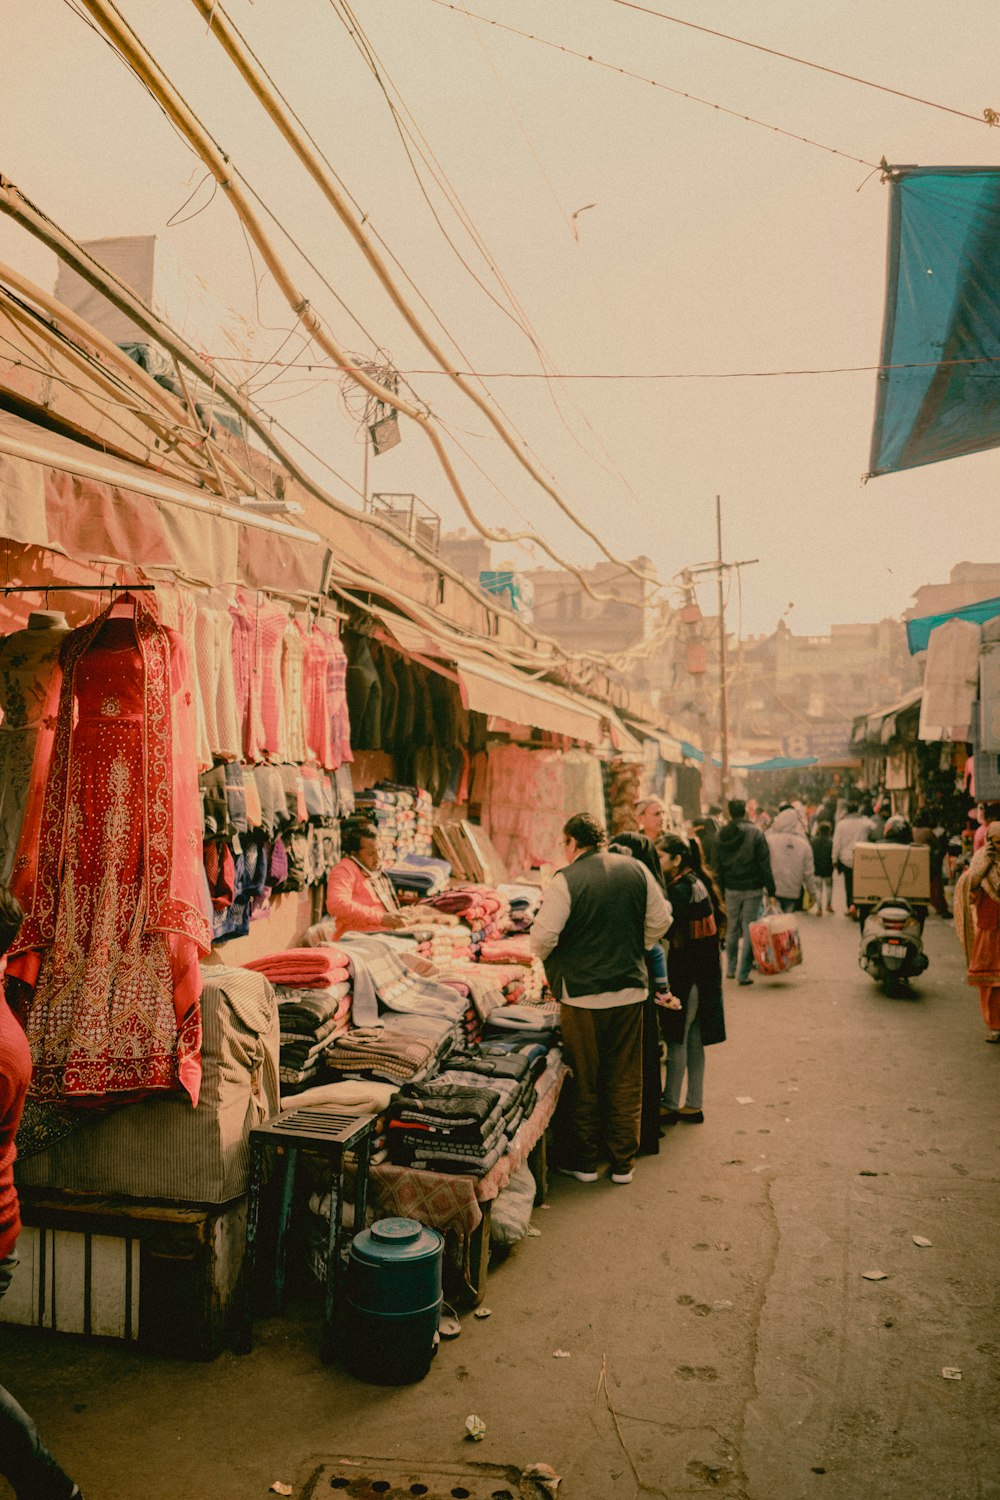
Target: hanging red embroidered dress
<point x="108" y="871"/>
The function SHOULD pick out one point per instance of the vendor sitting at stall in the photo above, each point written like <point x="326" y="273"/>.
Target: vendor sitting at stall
<point x="359" y="894"/>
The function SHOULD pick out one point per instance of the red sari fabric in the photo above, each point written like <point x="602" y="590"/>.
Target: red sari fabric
<point x="108" y="871"/>
<point x="984" y="962"/>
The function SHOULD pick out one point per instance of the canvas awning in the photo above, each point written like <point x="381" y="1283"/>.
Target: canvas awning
<point x="492" y="689"/>
<point x="878" y="726"/>
<point x="918" y="632"/>
<point x="938" y="392"/>
<point x="59" y="494"/>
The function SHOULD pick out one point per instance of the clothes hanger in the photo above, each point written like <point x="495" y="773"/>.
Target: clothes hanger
<point x="123" y="608"/>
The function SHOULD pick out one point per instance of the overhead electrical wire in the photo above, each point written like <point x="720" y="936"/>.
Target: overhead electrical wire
<point x="988" y="116"/>
<point x="666" y="88"/>
<point x="366" y="219"/>
<point x="128" y="42"/>
<point x="433" y="164"/>
<point x="220" y="28"/>
<point x="611" y="467"/>
<point x="652" y="375"/>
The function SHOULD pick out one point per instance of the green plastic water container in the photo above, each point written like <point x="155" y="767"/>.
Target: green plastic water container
<point x="393" y="1301"/>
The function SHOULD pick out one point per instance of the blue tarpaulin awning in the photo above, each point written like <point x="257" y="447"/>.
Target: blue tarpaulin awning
<point x="918" y="632"/>
<point x="938" y="392"/>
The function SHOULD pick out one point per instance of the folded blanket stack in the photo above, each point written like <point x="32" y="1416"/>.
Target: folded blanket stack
<point x="448" y="1127"/>
<point x="524" y="903"/>
<point x="421" y="875"/>
<point x="404" y="1048"/>
<point x="306" y="968"/>
<point x="404" y="816"/>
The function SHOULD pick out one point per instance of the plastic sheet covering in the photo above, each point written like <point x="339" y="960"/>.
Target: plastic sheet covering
<point x="942" y="318"/>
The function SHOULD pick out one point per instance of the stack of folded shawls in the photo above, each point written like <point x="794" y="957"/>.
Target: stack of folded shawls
<point x="310" y="1020"/>
<point x="509" y="1073"/>
<point x="306" y="968"/>
<point x="445" y="1127"/>
<point x="420" y="874"/>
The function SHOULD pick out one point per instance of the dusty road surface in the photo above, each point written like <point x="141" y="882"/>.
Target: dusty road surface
<point x="723" y="1292"/>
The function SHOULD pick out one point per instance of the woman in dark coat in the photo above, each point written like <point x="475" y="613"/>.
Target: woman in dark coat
<point x="695" y="971"/>
<point x="642" y="848"/>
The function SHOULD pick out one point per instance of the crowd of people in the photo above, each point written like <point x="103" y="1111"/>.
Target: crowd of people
<point x="634" y="933"/>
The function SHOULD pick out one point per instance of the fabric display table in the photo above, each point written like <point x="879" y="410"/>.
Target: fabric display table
<point x="453" y="1201"/>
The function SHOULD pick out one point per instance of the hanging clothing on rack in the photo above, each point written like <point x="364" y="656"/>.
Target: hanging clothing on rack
<point x="293" y="662"/>
<point x="108" y="869"/>
<point x="29" y="661"/>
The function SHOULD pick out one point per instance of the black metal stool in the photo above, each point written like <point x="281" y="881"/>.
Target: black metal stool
<point x="329" y="1133"/>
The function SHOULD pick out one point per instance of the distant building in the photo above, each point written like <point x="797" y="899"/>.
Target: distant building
<point x="565" y="611"/>
<point x="468" y="553"/>
<point x="967" y="584"/>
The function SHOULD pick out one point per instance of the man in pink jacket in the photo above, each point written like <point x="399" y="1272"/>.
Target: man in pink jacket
<point x="359" y="894"/>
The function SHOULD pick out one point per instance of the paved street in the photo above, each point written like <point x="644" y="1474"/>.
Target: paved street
<point x="745" y="1352"/>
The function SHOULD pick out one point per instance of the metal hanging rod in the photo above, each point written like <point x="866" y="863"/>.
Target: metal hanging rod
<point x="79" y="588"/>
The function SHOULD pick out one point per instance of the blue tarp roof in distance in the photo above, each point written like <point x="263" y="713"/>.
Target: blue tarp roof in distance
<point x="938" y="393"/>
<point x="778" y="763"/>
<point x="918" y="632"/>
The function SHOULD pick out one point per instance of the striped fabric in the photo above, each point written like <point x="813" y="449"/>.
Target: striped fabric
<point x="161" y="1147"/>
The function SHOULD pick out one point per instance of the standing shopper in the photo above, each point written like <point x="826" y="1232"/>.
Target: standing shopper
<point x="977" y="918"/>
<point x="791" y="860"/>
<point x="597" y="918"/>
<point x="24" y="1460"/>
<point x="695" y="971"/>
<point x="822" y="848"/>
<point x="637" y="846"/>
<point x="744" y="869"/>
<point x="854" y="828"/>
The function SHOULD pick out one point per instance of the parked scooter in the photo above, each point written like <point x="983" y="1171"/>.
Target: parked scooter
<point x="892" y="943"/>
<point x="892" y="930"/>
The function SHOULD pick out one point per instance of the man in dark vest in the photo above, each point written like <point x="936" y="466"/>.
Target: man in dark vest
<point x="597" y="918"/>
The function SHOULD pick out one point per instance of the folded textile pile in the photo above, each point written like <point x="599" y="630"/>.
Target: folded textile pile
<point x="404" y="817"/>
<point x="408" y="1047"/>
<point x="481" y="907"/>
<point x="307" y="968"/>
<point x="349" y="1096"/>
<point x="444" y="1127"/>
<point x="524" y="901"/>
<point x="309" y="1020"/>
<point x="511" y="1074"/>
<point x="382" y="979"/>
<point x="510" y="950"/>
<point x="420" y="874"/>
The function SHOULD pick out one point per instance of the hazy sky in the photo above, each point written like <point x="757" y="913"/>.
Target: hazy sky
<point x="713" y="246"/>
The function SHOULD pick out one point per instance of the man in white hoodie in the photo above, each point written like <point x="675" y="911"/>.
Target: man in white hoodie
<point x="791" y="860"/>
<point x="854" y="828"/>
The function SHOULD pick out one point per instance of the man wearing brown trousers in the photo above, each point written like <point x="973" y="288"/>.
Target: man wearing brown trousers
<point x="597" y="918"/>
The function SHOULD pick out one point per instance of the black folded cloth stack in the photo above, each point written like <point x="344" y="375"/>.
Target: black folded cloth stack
<point x="447" y="1127"/>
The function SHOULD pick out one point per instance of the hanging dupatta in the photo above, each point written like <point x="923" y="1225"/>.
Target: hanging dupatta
<point x="173" y="901"/>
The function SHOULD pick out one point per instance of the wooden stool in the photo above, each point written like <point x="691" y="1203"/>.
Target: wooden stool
<point x="329" y="1133"/>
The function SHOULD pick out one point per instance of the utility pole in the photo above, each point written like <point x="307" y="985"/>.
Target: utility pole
<point x="723" y="685"/>
<point x="720" y="568"/>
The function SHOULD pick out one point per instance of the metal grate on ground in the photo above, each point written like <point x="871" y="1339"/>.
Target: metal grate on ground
<point x="389" y="1479"/>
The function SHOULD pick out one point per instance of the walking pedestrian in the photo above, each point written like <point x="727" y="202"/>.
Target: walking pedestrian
<point x="599" y="915"/>
<point x="24" y="1460"/>
<point x="977" y="919"/>
<point x="695" y="970"/>
<point x="791" y="860"/>
<point x="854" y="828"/>
<point x="822" y="848"/>
<point x="637" y="846"/>
<point x="650" y="816"/>
<point x="744" y="867"/>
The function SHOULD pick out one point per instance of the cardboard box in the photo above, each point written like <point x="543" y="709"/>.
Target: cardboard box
<point x="882" y="870"/>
